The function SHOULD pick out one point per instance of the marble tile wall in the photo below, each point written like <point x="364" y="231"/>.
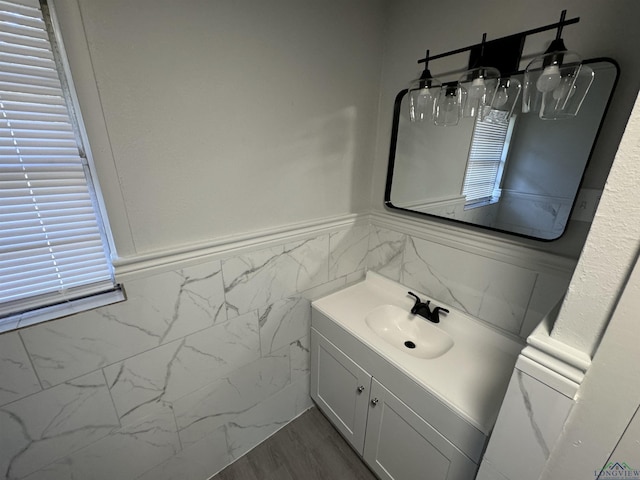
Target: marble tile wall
<point x="529" y="423"/>
<point x="508" y="296"/>
<point x="194" y="369"/>
<point x="199" y="365"/>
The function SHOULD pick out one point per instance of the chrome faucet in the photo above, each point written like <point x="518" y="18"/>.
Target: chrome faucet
<point x="422" y="308"/>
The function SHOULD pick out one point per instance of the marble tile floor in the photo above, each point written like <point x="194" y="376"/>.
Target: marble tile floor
<point x="308" y="448"/>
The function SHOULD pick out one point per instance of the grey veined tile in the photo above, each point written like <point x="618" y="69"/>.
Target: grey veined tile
<point x="59" y="470"/>
<point x="386" y="249"/>
<point x="348" y="251"/>
<point x="157" y="310"/>
<point x="309" y="259"/>
<point x="17" y="377"/>
<point x="300" y="352"/>
<point x="143" y="384"/>
<point x="129" y="451"/>
<point x="185" y="300"/>
<point x="284" y="322"/>
<point x="124" y="454"/>
<point x="203" y="411"/>
<point x="491" y="290"/>
<point x="54" y="423"/>
<point x="75" y="345"/>
<point x="324" y="289"/>
<point x="262" y="277"/>
<point x="196" y="462"/>
<point x="250" y="428"/>
<point x="303" y="389"/>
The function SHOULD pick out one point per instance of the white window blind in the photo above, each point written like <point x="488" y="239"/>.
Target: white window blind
<point x="52" y="247"/>
<point x="484" y="165"/>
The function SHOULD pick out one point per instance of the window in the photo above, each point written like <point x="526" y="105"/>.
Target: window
<point x="487" y="155"/>
<point x="52" y="242"/>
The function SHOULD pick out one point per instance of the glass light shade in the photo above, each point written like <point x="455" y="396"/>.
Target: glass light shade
<point x="449" y="106"/>
<point x="545" y="74"/>
<point x="471" y="107"/>
<point x="565" y="100"/>
<point x="507" y="94"/>
<point x="423" y="94"/>
<point x="480" y="85"/>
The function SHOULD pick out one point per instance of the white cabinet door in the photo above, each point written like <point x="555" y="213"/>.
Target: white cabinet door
<point x="400" y="445"/>
<point x="340" y="388"/>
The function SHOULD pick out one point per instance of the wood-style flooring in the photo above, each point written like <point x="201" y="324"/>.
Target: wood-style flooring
<point x="308" y="448"/>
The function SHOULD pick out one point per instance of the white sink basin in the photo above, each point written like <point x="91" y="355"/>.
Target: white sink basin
<point x="409" y="333"/>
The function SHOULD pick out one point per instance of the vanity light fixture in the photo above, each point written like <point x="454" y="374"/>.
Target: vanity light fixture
<point x="554" y="83"/>
<point x="480" y="84"/>
<point x="423" y="94"/>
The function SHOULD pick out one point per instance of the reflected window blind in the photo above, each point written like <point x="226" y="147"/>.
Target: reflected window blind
<point x="485" y="158"/>
<point x="52" y="247"/>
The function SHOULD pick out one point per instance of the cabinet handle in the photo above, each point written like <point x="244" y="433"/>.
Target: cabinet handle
<point x="374" y="402"/>
<point x="360" y="389"/>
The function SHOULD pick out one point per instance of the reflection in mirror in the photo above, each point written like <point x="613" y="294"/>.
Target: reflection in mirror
<point x="518" y="174"/>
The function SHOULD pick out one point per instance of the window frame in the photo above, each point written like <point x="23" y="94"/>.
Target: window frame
<point x="90" y="298"/>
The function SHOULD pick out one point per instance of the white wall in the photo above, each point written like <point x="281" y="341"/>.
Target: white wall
<point x="602" y="418"/>
<point x="609" y="253"/>
<point x="209" y="122"/>
<point x="226" y="117"/>
<point x="415" y="26"/>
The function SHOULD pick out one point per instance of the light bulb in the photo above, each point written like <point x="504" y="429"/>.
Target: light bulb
<point x="477" y="88"/>
<point x="424" y="95"/>
<point x="450" y="104"/>
<point x="501" y="97"/>
<point x="549" y="79"/>
<point x="564" y="89"/>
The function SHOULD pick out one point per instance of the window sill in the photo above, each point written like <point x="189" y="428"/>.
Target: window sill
<point x="60" y="310"/>
<point x="481" y="203"/>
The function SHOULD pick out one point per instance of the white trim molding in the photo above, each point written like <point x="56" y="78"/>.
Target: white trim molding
<point x="138" y="266"/>
<point x="489" y="245"/>
<point x="553" y="363"/>
<point x="478" y="243"/>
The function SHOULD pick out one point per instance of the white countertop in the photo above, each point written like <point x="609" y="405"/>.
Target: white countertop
<point x="471" y="378"/>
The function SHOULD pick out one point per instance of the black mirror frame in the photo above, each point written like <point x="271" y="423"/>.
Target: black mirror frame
<point x="413" y="213"/>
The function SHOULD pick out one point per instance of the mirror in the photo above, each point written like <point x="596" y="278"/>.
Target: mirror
<point x="518" y="175"/>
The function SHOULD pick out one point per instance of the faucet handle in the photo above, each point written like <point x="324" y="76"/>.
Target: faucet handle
<point x="435" y="314"/>
<point x="414" y="309"/>
<point x="415" y="296"/>
<point x="419" y="303"/>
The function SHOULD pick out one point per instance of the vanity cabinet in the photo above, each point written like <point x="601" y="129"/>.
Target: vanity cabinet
<point x="393" y="440"/>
